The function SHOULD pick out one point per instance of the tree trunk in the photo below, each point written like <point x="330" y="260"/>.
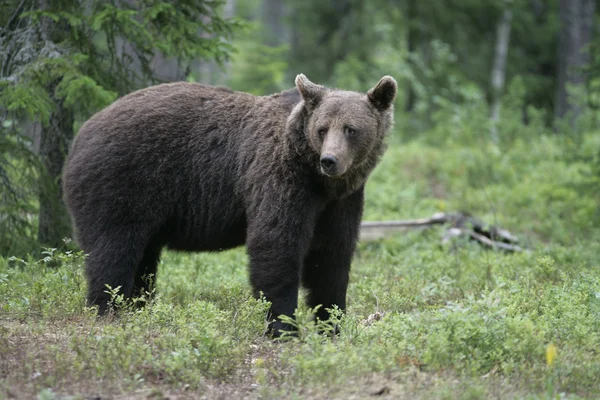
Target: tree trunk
<point x="411" y="39"/>
<point x="273" y="15"/>
<point x="576" y="20"/>
<point x="55" y="137"/>
<point x="54" y="144"/>
<point x="210" y="72"/>
<point x="499" y="69"/>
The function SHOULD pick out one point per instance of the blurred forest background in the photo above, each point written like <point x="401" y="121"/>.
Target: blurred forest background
<point x="478" y="79"/>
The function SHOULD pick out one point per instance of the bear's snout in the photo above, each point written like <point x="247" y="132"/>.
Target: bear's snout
<point x="331" y="166"/>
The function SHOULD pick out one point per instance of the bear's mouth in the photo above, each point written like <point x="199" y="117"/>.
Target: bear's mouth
<point x="332" y="174"/>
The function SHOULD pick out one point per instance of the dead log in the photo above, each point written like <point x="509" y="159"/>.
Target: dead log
<point x="460" y="224"/>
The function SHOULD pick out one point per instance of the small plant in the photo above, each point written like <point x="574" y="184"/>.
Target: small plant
<point x="306" y="326"/>
<point x="117" y="299"/>
<point x="551" y="353"/>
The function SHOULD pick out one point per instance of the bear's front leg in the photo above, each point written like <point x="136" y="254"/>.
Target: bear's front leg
<point x="327" y="265"/>
<point x="278" y="236"/>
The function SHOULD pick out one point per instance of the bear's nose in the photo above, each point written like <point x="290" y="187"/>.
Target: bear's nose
<point x="328" y="163"/>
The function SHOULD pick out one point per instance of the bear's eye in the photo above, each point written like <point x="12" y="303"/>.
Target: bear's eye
<point x="350" y="131"/>
<point x="322" y="132"/>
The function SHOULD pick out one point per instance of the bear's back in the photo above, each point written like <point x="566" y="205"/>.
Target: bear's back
<point x="172" y="152"/>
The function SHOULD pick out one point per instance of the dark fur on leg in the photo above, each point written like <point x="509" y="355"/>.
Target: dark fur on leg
<point x="327" y="266"/>
<point x="277" y="244"/>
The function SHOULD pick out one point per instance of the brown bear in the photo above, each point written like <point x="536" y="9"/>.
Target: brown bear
<point x="200" y="168"/>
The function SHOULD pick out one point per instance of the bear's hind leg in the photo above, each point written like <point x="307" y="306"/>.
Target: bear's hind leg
<point x="113" y="261"/>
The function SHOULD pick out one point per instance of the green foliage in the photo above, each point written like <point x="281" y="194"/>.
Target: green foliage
<point x="351" y="36"/>
<point x="534" y="181"/>
<point x="16" y="211"/>
<point x="164" y="342"/>
<point x="72" y="58"/>
<point x="259" y="69"/>
<point x="445" y="315"/>
<point x="442" y="93"/>
<point x="85" y="60"/>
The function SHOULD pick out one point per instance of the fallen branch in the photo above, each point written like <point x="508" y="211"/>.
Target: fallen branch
<point x="494" y="243"/>
<point x="460" y="225"/>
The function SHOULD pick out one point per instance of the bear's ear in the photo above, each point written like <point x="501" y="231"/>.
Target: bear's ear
<point x="311" y="93"/>
<point x="383" y="94"/>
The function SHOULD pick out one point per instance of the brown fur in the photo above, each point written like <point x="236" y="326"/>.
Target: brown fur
<point x="201" y="168"/>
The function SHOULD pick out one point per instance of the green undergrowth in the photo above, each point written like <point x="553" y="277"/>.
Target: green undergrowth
<point x="424" y="320"/>
<point x="540" y="189"/>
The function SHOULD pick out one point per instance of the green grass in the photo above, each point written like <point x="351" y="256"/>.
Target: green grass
<point x="457" y="321"/>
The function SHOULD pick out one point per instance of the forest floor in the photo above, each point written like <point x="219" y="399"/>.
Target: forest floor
<point x="424" y="320"/>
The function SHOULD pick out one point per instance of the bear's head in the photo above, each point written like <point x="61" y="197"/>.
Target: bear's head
<point x="346" y="129"/>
